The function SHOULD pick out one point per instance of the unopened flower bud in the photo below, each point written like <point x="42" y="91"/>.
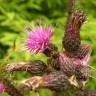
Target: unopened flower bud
<point x="35" y="67"/>
<point x="66" y="65"/>
<point x="82" y="72"/>
<point x="71" y="40"/>
<point x="55" y="81"/>
<point x="83" y="50"/>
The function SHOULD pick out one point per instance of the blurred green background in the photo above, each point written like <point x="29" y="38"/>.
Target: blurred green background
<point x="16" y="14"/>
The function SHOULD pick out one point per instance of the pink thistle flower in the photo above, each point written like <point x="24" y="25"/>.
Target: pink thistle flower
<point x="39" y="39"/>
<point x="2" y="88"/>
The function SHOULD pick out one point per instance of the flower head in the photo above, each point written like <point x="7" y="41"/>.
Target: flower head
<point x="39" y="39"/>
<point x="2" y="87"/>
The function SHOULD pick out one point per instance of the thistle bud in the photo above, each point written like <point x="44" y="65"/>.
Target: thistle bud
<point x="82" y="72"/>
<point x="55" y="81"/>
<point x="36" y="67"/>
<point x="66" y="65"/>
<point x="71" y="40"/>
<point x="83" y="50"/>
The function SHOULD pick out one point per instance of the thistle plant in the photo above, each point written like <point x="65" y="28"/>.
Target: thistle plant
<point x="66" y="70"/>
